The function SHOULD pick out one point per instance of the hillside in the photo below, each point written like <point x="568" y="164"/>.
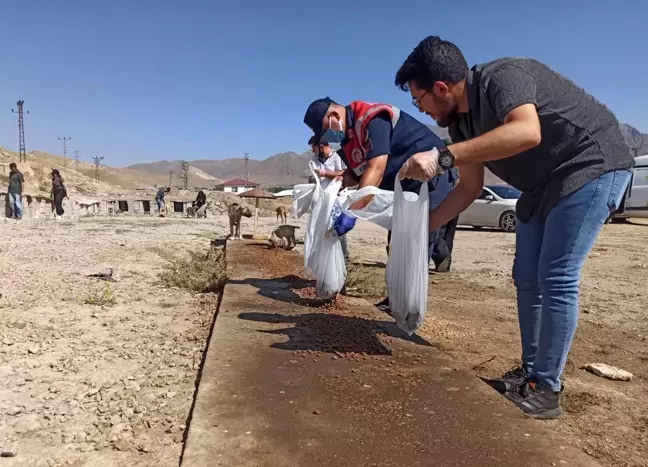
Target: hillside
<point x="127" y="178"/>
<point x="637" y="140"/>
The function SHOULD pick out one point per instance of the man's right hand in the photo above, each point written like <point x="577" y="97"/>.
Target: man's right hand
<point x="421" y="166"/>
<point x="343" y="224"/>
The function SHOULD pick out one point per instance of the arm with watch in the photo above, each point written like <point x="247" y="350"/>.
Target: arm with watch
<point x="519" y="132"/>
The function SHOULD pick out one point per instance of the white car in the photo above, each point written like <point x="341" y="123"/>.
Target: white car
<point x="495" y="207"/>
<point x="635" y="200"/>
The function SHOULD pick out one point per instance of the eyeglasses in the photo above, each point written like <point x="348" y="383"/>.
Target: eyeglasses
<point x="416" y="101"/>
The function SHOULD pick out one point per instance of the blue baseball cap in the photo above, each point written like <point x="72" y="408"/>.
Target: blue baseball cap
<point x="315" y="116"/>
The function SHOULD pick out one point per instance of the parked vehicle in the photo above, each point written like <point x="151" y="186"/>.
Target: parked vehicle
<point x="495" y="207"/>
<point x="635" y="200"/>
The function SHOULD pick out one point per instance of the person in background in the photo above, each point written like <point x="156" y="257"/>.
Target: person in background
<point x="328" y="167"/>
<point x="58" y="193"/>
<point x="327" y="162"/>
<point x="201" y="204"/>
<point x="15" y="191"/>
<point x="376" y="140"/>
<point x="558" y="145"/>
<point x="159" y="198"/>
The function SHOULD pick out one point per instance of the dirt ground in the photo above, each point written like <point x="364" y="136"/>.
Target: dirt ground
<point x="103" y="373"/>
<point x="93" y="372"/>
<point x="472" y="316"/>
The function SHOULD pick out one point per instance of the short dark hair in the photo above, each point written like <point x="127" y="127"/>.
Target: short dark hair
<point x="431" y="61"/>
<point x="311" y="141"/>
<point x="13" y="165"/>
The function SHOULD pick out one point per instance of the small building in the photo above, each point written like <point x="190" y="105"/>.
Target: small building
<point x="284" y="193"/>
<point x="236" y="185"/>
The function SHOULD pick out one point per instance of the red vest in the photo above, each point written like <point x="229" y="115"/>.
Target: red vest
<point x="358" y="144"/>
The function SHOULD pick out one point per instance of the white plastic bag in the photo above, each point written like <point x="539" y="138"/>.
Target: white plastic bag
<point x="407" y="267"/>
<point x="302" y="199"/>
<point x="323" y="254"/>
<point x="379" y="210"/>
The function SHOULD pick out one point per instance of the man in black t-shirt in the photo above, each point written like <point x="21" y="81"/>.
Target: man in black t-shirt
<point x="545" y="136"/>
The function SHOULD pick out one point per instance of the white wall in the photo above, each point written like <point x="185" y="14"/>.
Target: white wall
<point x="237" y="189"/>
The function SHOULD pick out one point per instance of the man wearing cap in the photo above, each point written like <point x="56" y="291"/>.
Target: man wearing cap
<point x="327" y="162"/>
<point x="376" y="140"/>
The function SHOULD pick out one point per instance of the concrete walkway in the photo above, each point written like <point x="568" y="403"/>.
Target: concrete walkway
<point x="273" y="391"/>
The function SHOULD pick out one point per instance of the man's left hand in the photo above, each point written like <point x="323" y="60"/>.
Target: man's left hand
<point x="421" y="166"/>
<point x="320" y="172"/>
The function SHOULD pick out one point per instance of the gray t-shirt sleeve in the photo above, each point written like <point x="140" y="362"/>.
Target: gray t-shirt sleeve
<point x="508" y="88"/>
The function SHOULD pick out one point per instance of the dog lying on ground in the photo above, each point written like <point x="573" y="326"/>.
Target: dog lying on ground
<point x="284" y="234"/>
<point x="281" y="214"/>
<point x="235" y="212"/>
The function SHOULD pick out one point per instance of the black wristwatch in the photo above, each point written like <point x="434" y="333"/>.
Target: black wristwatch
<point x="446" y="159"/>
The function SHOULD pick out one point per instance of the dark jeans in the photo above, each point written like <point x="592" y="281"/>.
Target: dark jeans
<point x="441" y="247"/>
<point x="58" y="201"/>
<point x="441" y="240"/>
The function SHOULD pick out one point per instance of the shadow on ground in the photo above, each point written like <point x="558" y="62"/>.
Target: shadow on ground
<point x="325" y="332"/>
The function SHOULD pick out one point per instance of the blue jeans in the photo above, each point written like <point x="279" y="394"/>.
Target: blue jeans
<point x="160" y="204"/>
<point x="15" y="202"/>
<point x="549" y="257"/>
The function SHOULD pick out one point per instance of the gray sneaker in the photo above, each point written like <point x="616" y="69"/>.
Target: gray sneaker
<point x="511" y="381"/>
<point x="537" y="401"/>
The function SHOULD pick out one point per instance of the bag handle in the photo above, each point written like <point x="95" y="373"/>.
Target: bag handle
<point x="398" y="192"/>
<point x="359" y="194"/>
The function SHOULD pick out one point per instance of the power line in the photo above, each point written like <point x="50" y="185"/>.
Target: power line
<point x="21" y="131"/>
<point x="184" y="173"/>
<point x="97" y="163"/>
<point x="246" y="158"/>
<point x="65" y="139"/>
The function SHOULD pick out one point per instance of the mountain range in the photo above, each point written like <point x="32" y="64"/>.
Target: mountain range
<point x="289" y="168"/>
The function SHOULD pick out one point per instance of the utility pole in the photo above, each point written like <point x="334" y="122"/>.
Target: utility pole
<point x="246" y="158"/>
<point x="171" y="174"/>
<point x="97" y="163"/>
<point x="21" y="132"/>
<point x="184" y="173"/>
<point x="65" y="139"/>
<point x="76" y="160"/>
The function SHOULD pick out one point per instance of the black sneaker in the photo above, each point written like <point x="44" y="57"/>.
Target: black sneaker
<point x="537" y="401"/>
<point x="384" y="306"/>
<point x="444" y="266"/>
<point x="511" y="381"/>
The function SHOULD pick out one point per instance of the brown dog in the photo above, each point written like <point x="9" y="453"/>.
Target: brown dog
<point x="235" y="212"/>
<point x="281" y="215"/>
<point x="284" y="234"/>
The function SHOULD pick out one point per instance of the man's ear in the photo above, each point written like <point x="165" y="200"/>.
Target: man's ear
<point x="440" y="88"/>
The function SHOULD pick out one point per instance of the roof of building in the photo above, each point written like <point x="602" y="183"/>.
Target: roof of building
<point x="257" y="193"/>
<point x="238" y="182"/>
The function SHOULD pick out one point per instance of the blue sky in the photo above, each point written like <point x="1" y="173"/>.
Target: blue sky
<point x="142" y="80"/>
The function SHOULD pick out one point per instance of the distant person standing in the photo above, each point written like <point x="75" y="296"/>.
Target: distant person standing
<point x="58" y="193"/>
<point x="15" y="191"/>
<point x="201" y="204"/>
<point x="159" y="199"/>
